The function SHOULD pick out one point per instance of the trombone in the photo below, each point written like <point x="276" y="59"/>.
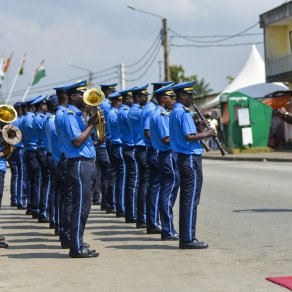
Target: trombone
<point x="94" y="97"/>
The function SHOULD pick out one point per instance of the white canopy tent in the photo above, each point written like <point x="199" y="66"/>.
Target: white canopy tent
<point x="253" y="72"/>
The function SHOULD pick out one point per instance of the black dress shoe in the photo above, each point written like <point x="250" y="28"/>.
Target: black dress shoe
<point x="28" y="213"/>
<point x="57" y="232"/>
<point x="154" y="230"/>
<point x="86" y="253"/>
<point x="195" y="244"/>
<point x="3" y="244"/>
<point x="2" y="237"/>
<point x="52" y="225"/>
<point x="119" y="215"/>
<point x="170" y="237"/>
<point x="12" y="204"/>
<point x="111" y="211"/>
<point x="43" y="220"/>
<point x="130" y="220"/>
<point x="97" y="202"/>
<point x="21" y="207"/>
<point x="141" y="225"/>
<point x="34" y="215"/>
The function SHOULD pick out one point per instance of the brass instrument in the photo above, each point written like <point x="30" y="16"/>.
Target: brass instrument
<point x="10" y="135"/>
<point x="94" y="97"/>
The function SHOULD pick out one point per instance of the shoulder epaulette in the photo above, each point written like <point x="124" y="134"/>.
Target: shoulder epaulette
<point x="163" y="113"/>
<point x="125" y="108"/>
<point x="70" y="112"/>
<point x="186" y="109"/>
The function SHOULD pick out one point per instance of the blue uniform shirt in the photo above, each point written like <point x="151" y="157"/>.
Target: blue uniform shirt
<point x="159" y="128"/>
<point x="2" y="162"/>
<point x="181" y="124"/>
<point x="134" y="124"/>
<point x="125" y="133"/>
<point x="113" y="126"/>
<point x="17" y="123"/>
<point x="58" y="124"/>
<point x="146" y="113"/>
<point x="37" y="126"/>
<point x="53" y="146"/>
<point x="30" y="139"/>
<point x="73" y="126"/>
<point x="105" y="106"/>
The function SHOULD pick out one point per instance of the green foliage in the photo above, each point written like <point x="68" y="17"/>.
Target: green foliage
<point x="177" y="75"/>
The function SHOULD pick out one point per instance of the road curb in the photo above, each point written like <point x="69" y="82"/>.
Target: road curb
<point x="263" y="159"/>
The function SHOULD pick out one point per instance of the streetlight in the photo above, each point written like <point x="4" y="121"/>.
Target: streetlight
<point x="84" y="69"/>
<point x="165" y="39"/>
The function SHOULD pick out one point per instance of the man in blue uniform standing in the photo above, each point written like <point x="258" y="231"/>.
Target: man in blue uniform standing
<point x="140" y="97"/>
<point x="30" y="157"/>
<point x="17" y="166"/>
<point x="129" y="157"/>
<point x="117" y="158"/>
<point x="185" y="140"/>
<point x="169" y="176"/>
<point x="41" y="110"/>
<point x="80" y="153"/>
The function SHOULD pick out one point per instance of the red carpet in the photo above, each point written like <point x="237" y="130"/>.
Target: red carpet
<point x="283" y="281"/>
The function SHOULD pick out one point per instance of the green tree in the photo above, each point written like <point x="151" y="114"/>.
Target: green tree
<point x="177" y="74"/>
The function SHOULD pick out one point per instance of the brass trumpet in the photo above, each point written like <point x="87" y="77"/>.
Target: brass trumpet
<point x="10" y="135"/>
<point x="94" y="97"/>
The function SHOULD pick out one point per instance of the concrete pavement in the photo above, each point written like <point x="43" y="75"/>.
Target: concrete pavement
<point x="130" y="260"/>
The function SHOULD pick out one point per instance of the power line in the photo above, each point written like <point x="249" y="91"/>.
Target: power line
<point x="220" y="40"/>
<point x="216" y="45"/>
<point x="146" y="62"/>
<point x="158" y="37"/>
<point x="147" y="69"/>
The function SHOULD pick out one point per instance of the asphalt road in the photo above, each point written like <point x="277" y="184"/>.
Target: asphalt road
<point x="245" y="215"/>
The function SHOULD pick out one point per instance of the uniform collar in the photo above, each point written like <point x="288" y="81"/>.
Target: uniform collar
<point x="74" y="108"/>
<point x="60" y="107"/>
<point x="178" y="105"/>
<point x="135" y="105"/>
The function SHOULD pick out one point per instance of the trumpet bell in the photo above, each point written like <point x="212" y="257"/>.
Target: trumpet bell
<point x="93" y="96"/>
<point x="7" y="113"/>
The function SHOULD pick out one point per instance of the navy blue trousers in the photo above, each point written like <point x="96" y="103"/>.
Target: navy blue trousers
<point x="45" y="184"/>
<point x="169" y="184"/>
<point x="2" y="176"/>
<point x="104" y="165"/>
<point x="143" y="175"/>
<point x="191" y="180"/>
<point x="18" y="177"/>
<point x="119" y="165"/>
<point x="131" y="182"/>
<point x="33" y="181"/>
<point x="65" y="200"/>
<point x="152" y="199"/>
<point x="80" y="173"/>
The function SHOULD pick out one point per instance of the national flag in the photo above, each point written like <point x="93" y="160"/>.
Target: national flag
<point x="21" y="68"/>
<point x="40" y="73"/>
<point x="7" y="63"/>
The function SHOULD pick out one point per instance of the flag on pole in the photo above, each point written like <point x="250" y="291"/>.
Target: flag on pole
<point x="7" y="63"/>
<point x="40" y="73"/>
<point x="1" y="70"/>
<point x="21" y="68"/>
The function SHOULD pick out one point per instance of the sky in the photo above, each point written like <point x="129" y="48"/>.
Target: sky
<point x="99" y="35"/>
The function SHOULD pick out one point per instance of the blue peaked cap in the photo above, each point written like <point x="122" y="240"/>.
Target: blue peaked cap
<point x="62" y="87"/>
<point x="108" y="85"/>
<point x="79" y="85"/>
<point x="31" y="100"/>
<point x="115" y="96"/>
<point x="185" y="86"/>
<point x="40" y="99"/>
<point x="52" y="101"/>
<point x="142" y="89"/>
<point x="162" y="83"/>
<point x="123" y="92"/>
<point x="168" y="90"/>
<point x="18" y="104"/>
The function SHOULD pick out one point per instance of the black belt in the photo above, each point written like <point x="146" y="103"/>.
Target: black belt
<point x="127" y="146"/>
<point x="82" y="159"/>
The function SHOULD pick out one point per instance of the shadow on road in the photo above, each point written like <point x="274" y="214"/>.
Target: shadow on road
<point x="30" y="256"/>
<point x="148" y="246"/>
<point x="127" y="239"/>
<point x="262" y="210"/>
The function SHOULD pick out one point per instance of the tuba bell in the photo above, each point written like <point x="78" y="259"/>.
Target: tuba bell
<point x="93" y="97"/>
<point x="9" y="134"/>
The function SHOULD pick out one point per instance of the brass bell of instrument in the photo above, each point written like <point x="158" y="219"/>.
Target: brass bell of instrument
<point x="94" y="97"/>
<point x="7" y="114"/>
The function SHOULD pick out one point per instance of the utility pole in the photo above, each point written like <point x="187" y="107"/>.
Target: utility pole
<point x="122" y="76"/>
<point x="159" y="64"/>
<point x="165" y="49"/>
